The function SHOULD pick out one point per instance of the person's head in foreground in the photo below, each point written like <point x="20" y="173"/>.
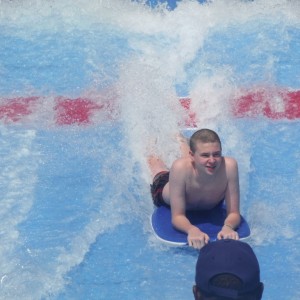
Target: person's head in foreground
<point x="227" y="269"/>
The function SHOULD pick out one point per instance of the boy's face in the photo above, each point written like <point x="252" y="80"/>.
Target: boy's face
<point x="207" y="157"/>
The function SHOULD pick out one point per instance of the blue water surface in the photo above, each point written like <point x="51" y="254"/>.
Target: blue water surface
<point x="75" y="204"/>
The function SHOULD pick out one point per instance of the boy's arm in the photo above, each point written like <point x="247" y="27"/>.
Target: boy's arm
<point x="196" y="238"/>
<point x="232" y="198"/>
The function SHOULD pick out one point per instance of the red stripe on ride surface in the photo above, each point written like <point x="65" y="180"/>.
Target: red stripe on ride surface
<point x="75" y="111"/>
<point x="15" y="109"/>
<point x="190" y="119"/>
<point x="270" y="103"/>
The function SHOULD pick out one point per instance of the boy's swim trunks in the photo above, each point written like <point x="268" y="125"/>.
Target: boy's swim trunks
<point x="159" y="181"/>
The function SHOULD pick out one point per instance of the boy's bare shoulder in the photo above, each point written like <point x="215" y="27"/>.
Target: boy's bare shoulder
<point x="182" y="164"/>
<point x="231" y="165"/>
<point x="230" y="161"/>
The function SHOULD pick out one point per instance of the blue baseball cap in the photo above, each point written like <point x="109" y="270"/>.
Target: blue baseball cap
<point x="227" y="257"/>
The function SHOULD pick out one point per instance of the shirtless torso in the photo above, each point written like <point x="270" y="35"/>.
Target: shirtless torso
<point x="199" y="193"/>
<point x="199" y="182"/>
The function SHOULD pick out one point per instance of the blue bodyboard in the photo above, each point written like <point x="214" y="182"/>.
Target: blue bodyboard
<point x="209" y="222"/>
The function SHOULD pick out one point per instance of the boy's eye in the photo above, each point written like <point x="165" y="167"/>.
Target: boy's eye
<point x="218" y="154"/>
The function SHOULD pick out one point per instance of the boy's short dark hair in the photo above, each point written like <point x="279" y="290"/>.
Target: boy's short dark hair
<point x="205" y="136"/>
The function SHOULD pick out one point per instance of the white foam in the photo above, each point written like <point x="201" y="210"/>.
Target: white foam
<point x="163" y="43"/>
<point x="19" y="163"/>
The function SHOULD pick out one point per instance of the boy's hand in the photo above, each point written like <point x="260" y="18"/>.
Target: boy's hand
<point x="196" y="238"/>
<point x="227" y="233"/>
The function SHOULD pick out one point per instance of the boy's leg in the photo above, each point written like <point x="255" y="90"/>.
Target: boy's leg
<point x="156" y="165"/>
<point x="184" y="146"/>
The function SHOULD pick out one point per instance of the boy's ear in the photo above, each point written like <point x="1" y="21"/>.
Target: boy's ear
<point x="196" y="292"/>
<point x="191" y="154"/>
